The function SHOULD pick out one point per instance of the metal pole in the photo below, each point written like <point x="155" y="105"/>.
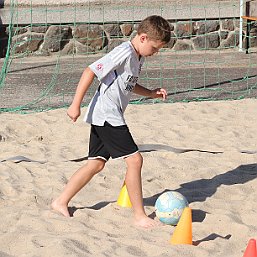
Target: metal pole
<point x="241" y="26"/>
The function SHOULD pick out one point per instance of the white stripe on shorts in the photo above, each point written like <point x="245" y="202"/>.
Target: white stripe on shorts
<point x="97" y="157"/>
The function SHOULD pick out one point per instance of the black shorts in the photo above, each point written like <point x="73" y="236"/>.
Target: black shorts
<point x="109" y="141"/>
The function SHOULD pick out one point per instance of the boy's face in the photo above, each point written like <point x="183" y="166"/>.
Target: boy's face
<point x="149" y="47"/>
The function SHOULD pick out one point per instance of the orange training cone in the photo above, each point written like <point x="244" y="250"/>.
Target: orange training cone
<point x="183" y="231"/>
<point x="123" y="199"/>
<point x="251" y="249"/>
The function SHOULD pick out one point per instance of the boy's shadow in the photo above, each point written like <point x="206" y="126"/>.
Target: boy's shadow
<point x="199" y="190"/>
<point x="95" y="207"/>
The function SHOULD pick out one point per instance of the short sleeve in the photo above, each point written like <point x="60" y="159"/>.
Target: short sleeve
<point x="108" y="63"/>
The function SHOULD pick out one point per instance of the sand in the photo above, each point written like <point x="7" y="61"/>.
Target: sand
<point x="221" y="187"/>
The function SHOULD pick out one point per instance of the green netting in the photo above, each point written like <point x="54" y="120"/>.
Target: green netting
<point x="202" y="62"/>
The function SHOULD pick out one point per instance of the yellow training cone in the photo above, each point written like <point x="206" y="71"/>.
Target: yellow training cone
<point x="123" y="199"/>
<point x="183" y="231"/>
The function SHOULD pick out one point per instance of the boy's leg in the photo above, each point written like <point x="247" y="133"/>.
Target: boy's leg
<point x="134" y="186"/>
<point x="78" y="180"/>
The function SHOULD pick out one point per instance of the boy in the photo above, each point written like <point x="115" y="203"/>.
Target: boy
<point x="118" y="73"/>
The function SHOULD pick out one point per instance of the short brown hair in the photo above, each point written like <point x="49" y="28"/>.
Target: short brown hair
<point x="156" y="28"/>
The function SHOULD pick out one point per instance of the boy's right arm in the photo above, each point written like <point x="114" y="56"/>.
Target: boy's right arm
<point x="84" y="83"/>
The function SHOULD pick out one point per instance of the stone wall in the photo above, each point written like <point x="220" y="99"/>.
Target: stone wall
<point x="93" y="38"/>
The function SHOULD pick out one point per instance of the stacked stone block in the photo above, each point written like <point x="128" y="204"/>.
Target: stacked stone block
<point x="68" y="39"/>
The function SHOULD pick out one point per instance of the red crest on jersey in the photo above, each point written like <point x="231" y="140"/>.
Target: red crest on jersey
<point x="99" y="66"/>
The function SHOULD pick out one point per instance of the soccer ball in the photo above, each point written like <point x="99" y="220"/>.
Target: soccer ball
<point x="169" y="207"/>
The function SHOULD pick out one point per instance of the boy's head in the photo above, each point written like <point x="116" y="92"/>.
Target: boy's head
<point x="156" y="28"/>
<point x="152" y="34"/>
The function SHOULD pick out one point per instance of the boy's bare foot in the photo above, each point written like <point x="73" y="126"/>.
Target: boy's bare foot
<point x="146" y="222"/>
<point x="61" y="208"/>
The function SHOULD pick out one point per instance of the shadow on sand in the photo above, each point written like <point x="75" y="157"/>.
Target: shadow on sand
<point x="198" y="191"/>
<point x="201" y="189"/>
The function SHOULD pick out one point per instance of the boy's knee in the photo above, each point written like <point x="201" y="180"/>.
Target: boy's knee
<point x="135" y="159"/>
<point x="139" y="158"/>
<point x="96" y="165"/>
<point x="100" y="166"/>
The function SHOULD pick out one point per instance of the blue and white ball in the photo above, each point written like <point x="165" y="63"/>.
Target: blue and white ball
<point x="169" y="207"/>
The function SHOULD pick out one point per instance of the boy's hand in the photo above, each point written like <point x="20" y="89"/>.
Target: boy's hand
<point x="73" y="112"/>
<point x="159" y="93"/>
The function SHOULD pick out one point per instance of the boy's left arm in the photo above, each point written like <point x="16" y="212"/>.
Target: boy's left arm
<point x="155" y="93"/>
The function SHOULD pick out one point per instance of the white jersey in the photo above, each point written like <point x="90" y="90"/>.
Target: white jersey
<point x="118" y="72"/>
